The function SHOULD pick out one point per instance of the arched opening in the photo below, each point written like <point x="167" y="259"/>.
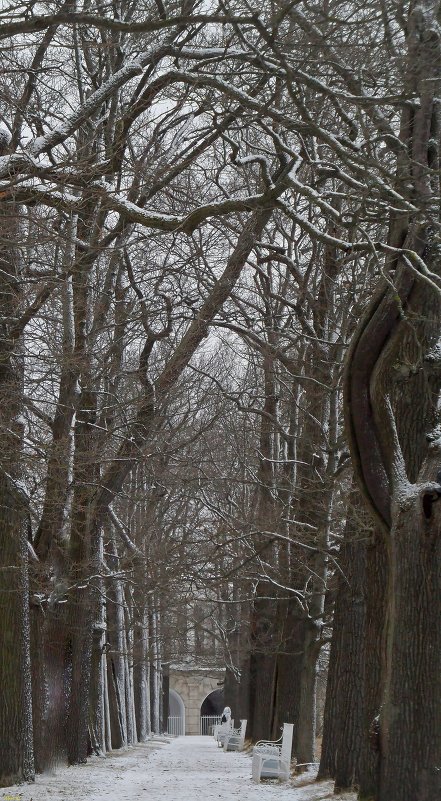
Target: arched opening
<point x="213" y="704"/>
<point x="176" y="714"/>
<point x="211" y="710"/>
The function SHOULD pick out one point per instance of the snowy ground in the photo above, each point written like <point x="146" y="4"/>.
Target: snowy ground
<point x="184" y="769"/>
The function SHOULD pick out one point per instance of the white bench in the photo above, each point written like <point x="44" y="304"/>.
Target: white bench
<point x="221" y="730"/>
<point x="235" y="738"/>
<point x="272" y="759"/>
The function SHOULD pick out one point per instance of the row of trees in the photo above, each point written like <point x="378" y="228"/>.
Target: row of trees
<point x="219" y="236"/>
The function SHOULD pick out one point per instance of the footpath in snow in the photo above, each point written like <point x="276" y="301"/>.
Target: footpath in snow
<point x="184" y="769"/>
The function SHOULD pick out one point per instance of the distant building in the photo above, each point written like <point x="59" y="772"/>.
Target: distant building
<point x="196" y="669"/>
<point x="196" y="698"/>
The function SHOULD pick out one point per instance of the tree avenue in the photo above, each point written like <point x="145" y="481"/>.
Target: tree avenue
<point x="219" y="350"/>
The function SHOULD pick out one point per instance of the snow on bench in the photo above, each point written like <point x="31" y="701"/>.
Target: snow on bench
<point x="221" y="730"/>
<point x="235" y="738"/>
<point x="272" y="759"/>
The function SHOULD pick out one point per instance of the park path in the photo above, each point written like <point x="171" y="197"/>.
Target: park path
<point x="183" y="769"/>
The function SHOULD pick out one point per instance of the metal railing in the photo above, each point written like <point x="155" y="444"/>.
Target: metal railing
<point x="208" y="722"/>
<point x="176" y="725"/>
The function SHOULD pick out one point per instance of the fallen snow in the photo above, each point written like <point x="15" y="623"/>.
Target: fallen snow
<point x="182" y="769"/>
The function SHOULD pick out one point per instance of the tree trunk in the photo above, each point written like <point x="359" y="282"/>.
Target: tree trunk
<point x="17" y="762"/>
<point x="141" y="670"/>
<point x="107" y="723"/>
<point x="344" y="711"/>
<point x="117" y="717"/>
<point x="96" y="696"/>
<point x="392" y="402"/>
<point x="57" y="685"/>
<point x="312" y="500"/>
<point x="410" y="721"/>
<point x="49" y="536"/>
<point x="83" y="599"/>
<point x="115" y="659"/>
<point x="39" y="685"/>
<point x="155" y="673"/>
<point x="78" y="747"/>
<point x="262" y="670"/>
<point x="264" y="629"/>
<point x="376" y="591"/>
<point x="128" y="670"/>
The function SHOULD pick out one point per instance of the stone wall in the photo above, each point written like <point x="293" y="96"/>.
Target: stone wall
<point x="193" y="685"/>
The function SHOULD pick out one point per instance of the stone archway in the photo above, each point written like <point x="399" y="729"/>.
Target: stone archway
<point x="176" y="714"/>
<point x="193" y="685"/>
<point x="211" y="710"/>
<point x="213" y="703"/>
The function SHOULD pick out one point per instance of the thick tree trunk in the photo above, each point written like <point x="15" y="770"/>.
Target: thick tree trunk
<point x="97" y="721"/>
<point x="107" y="723"/>
<point x="262" y="672"/>
<point x="289" y="666"/>
<point x="118" y="733"/>
<point x="155" y="672"/>
<point x="82" y="554"/>
<point x="96" y="699"/>
<point x="83" y="599"/>
<point x="264" y="628"/>
<point x="300" y="620"/>
<point x="237" y="685"/>
<point x="296" y="683"/>
<point x="116" y="661"/>
<point x="39" y="687"/>
<point x="392" y="403"/>
<point x="376" y="591"/>
<point x="17" y="761"/>
<point x="237" y="680"/>
<point x="48" y="541"/>
<point x="78" y="747"/>
<point x="141" y="670"/>
<point x="16" y="764"/>
<point x="312" y="505"/>
<point x="262" y="695"/>
<point x="344" y="710"/>
<point x="306" y="729"/>
<point x="350" y="749"/>
<point x="57" y="684"/>
<point x="410" y="721"/>
<point x="128" y="670"/>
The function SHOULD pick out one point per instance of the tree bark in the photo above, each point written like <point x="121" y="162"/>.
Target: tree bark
<point x="116" y="656"/>
<point x="410" y="720"/>
<point x="262" y="669"/>
<point x="375" y="629"/>
<point x="395" y="353"/>
<point x="142" y="675"/>
<point x="344" y="711"/>
<point x="39" y="686"/>
<point x="155" y="672"/>
<point x="17" y="763"/>
<point x="264" y="627"/>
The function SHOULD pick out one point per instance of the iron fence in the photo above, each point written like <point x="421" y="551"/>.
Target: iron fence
<point x="208" y="722"/>
<point x="176" y="725"/>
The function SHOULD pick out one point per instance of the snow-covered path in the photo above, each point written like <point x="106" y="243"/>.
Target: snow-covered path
<point x="185" y="769"/>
